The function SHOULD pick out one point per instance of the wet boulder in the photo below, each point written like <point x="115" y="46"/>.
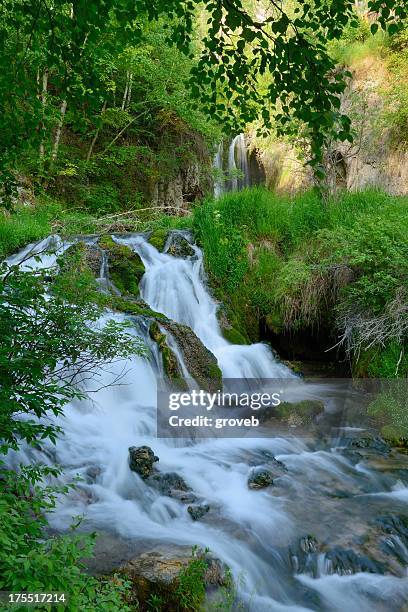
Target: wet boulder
<point x="197" y="511"/>
<point x="168" y="483"/>
<point x="141" y="460"/>
<point x="179" y="246"/>
<point x="260" y="478"/>
<point x="303" y="555"/>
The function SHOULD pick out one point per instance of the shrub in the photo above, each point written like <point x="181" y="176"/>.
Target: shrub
<point x="191" y="587"/>
<point x="296" y="262"/>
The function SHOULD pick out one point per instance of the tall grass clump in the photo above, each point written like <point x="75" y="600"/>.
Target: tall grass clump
<point x="26" y="224"/>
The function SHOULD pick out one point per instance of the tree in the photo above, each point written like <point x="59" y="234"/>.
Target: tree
<point x="48" y="347"/>
<point x="55" y="60"/>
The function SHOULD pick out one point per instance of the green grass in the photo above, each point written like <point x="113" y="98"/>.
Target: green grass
<point x="357" y="43"/>
<point x="25" y="224"/>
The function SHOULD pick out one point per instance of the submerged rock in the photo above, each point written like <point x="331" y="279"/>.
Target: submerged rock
<point x="125" y="267"/>
<point x="158" y="573"/>
<point x="141" y="460"/>
<point x="277" y="465"/>
<point x="371" y="442"/>
<point x="197" y="511"/>
<point x="394" y="539"/>
<point x="185" y="497"/>
<point x="92" y="473"/>
<point x="168" y="483"/>
<point x="307" y="558"/>
<point x="260" y="478"/>
<point x="347" y="561"/>
<point x="299" y="413"/>
<point x="200" y="362"/>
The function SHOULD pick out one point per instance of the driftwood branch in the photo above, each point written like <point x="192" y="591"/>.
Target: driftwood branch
<point x="136" y="210"/>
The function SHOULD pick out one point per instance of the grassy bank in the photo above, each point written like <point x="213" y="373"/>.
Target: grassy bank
<point x="290" y="265"/>
<point x="29" y="223"/>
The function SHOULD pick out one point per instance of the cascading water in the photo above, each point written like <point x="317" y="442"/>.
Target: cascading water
<point x="322" y="491"/>
<point x="238" y="161"/>
<point x="237" y="170"/>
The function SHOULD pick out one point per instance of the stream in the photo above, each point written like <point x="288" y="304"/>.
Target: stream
<point x="328" y="535"/>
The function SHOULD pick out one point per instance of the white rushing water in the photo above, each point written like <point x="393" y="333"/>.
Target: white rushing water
<point x="238" y="160"/>
<point x="250" y="530"/>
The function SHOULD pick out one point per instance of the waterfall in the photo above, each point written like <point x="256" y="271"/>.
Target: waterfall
<point x="252" y="531"/>
<point x="238" y="160"/>
<point x="237" y="170"/>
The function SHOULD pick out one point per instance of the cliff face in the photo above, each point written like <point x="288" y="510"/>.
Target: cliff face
<point x="378" y="158"/>
<point x="192" y="182"/>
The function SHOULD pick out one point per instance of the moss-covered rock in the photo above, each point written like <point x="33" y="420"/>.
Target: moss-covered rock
<point x="234" y="336"/>
<point x="274" y="322"/>
<point x="126" y="268"/>
<point x="135" y="307"/>
<point x="170" y="363"/>
<point x="142" y="460"/>
<point x="299" y="413"/>
<point x="174" y="578"/>
<point x="200" y="362"/>
<point x="158" y="239"/>
<point x="260" y="478"/>
<point x="229" y="327"/>
<point x="82" y="256"/>
<point x="79" y="267"/>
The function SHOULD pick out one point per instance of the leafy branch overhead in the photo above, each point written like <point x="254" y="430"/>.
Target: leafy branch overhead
<point x="273" y="57"/>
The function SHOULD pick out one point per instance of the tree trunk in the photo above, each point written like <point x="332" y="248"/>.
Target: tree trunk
<point x="125" y="95"/>
<point x="59" y="131"/>
<point x="129" y="94"/>
<point x="43" y="103"/>
<point x="95" y="138"/>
